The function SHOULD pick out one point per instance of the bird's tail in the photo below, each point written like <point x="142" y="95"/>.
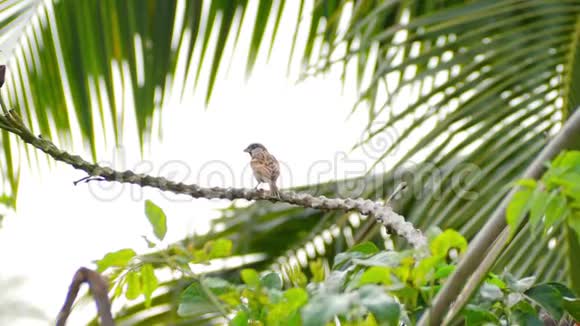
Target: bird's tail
<point x="274" y="189"/>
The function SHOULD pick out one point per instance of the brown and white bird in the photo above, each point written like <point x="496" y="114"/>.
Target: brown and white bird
<point x="264" y="165"/>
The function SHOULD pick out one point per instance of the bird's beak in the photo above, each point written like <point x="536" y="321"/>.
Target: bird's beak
<point x="246" y="150"/>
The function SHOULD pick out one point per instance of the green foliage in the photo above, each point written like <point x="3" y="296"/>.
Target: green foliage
<point x="219" y="248"/>
<point x="491" y="112"/>
<point x="551" y="200"/>
<point x="372" y="287"/>
<point x="134" y="275"/>
<point x="365" y="286"/>
<point x="250" y="277"/>
<point x="572" y="306"/>
<point x="449" y="239"/>
<point x="134" y="281"/>
<point x="149" y="282"/>
<point x="196" y="298"/>
<point x="257" y="299"/>
<point x="519" y="302"/>
<point x="272" y="281"/>
<point x="157" y="218"/>
<point x="119" y="258"/>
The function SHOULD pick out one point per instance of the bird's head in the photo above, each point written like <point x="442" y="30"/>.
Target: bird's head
<point x="255" y="147"/>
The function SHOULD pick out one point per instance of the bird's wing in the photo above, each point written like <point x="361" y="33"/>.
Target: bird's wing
<point x="265" y="166"/>
<point x="273" y="166"/>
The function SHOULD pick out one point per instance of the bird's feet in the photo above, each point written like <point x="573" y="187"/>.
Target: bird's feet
<point x="275" y="193"/>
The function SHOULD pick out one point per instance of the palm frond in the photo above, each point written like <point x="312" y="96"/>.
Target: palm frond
<point x="478" y="86"/>
<point x="14" y="17"/>
<point x="76" y="67"/>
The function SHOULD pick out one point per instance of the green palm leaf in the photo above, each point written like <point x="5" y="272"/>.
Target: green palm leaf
<point x="72" y="64"/>
<point x="480" y="86"/>
<point x="466" y="84"/>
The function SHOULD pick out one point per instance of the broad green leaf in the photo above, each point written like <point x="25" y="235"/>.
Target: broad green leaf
<point x="549" y="298"/>
<point x="526" y="318"/>
<point x="365" y="248"/>
<point x="443" y="271"/>
<point x="520" y="285"/>
<point x="271" y="280"/>
<point x="376" y="274"/>
<point x="538" y="204"/>
<point x="286" y="311"/>
<point x="250" y="277"/>
<point x="475" y="316"/>
<point x="555" y="209"/>
<point x="241" y="319"/>
<point x="425" y="270"/>
<point x="296" y="297"/>
<point x="149" y="282"/>
<point x="490" y="292"/>
<point x="201" y="255"/>
<point x="383" y="258"/>
<point x="188" y="308"/>
<point x="517" y="208"/>
<point x="566" y="161"/>
<point x="294" y="319"/>
<point x="447" y="240"/>
<point x="563" y="289"/>
<point x="335" y="281"/>
<point x="281" y="314"/>
<point x="513" y="299"/>
<point x="572" y="306"/>
<point x="529" y="183"/>
<point x="568" y="183"/>
<point x="370" y="321"/>
<point x="216" y="285"/>
<point x="494" y="279"/>
<point x="384" y="307"/>
<point x="194" y="300"/>
<point x="118" y="258"/>
<point x="134" y="289"/>
<point x="321" y="309"/>
<point x="157" y="218"/>
<point x="221" y="248"/>
<point x="403" y="272"/>
<point x="525" y="306"/>
<point x="345" y="257"/>
<point x="275" y="296"/>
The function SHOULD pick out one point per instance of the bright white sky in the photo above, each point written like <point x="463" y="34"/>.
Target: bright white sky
<point x="59" y="227"/>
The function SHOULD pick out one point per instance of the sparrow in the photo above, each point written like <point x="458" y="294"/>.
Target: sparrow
<point x="264" y="165"/>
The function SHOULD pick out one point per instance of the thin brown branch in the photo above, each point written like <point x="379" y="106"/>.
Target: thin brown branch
<point x="99" y="289"/>
<point x="381" y="212"/>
